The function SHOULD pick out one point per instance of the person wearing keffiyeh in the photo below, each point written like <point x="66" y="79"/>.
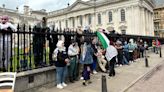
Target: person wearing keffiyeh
<point x="5" y="26"/>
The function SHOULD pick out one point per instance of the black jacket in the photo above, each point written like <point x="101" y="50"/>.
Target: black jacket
<point x="61" y="56"/>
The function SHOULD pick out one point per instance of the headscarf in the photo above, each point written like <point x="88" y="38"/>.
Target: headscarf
<point x="60" y="45"/>
<point x="131" y="41"/>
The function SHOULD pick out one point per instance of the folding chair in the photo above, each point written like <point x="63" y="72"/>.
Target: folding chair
<point x="7" y="81"/>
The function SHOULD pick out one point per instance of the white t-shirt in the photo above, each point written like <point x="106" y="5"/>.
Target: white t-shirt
<point x="6" y="25"/>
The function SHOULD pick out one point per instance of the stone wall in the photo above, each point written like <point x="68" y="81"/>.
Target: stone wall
<point x="35" y="80"/>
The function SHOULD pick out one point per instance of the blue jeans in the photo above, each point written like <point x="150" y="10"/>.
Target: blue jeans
<point x="94" y="64"/>
<point x="61" y="73"/>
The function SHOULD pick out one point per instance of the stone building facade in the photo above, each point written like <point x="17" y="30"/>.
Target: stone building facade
<point x="28" y="17"/>
<point x="159" y="21"/>
<point x="124" y="16"/>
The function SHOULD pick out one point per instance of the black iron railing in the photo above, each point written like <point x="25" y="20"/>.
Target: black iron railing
<point x="29" y="48"/>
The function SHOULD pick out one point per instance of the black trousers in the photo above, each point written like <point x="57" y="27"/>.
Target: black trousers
<point x="111" y="66"/>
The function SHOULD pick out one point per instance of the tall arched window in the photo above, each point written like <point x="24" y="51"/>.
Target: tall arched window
<point x="122" y="15"/>
<point x="73" y="22"/>
<point x="89" y="19"/>
<point x="110" y="16"/>
<point x="99" y="18"/>
<point x="66" y="23"/>
<point x="81" y="20"/>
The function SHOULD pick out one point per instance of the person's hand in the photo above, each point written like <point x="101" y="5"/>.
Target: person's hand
<point x="96" y="54"/>
<point x="67" y="60"/>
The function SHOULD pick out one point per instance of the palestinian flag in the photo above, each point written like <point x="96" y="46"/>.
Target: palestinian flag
<point x="111" y="51"/>
<point x="103" y="39"/>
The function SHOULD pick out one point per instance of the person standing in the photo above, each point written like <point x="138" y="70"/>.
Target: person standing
<point x="111" y="53"/>
<point x="119" y="48"/>
<point x="141" y="47"/>
<point x="5" y="42"/>
<point x="61" y="61"/>
<point x="39" y="43"/>
<point x="126" y="53"/>
<point x="86" y="59"/>
<point x="67" y="38"/>
<point x="101" y="59"/>
<point x="154" y="45"/>
<point x="94" y="64"/>
<point x="131" y="50"/>
<point x="157" y="46"/>
<point x="73" y="51"/>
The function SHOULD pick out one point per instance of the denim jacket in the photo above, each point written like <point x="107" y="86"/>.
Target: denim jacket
<point x="88" y="59"/>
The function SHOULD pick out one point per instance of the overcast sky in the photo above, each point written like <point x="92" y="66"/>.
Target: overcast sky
<point x="49" y="5"/>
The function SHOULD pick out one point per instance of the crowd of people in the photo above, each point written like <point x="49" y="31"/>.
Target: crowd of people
<point x="88" y="56"/>
<point x="81" y="56"/>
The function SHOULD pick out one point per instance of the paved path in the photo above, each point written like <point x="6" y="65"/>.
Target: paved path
<point x="153" y="82"/>
<point x="125" y="77"/>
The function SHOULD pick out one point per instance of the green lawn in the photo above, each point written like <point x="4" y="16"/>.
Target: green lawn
<point x="16" y="58"/>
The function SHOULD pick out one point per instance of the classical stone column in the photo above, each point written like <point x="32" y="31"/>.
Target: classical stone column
<point x="116" y="19"/>
<point x="103" y="19"/>
<point x="137" y="18"/>
<point x="91" y="24"/>
<point x="148" y="12"/>
<point x="76" y="21"/>
<point x="69" y="22"/>
<point x="85" y="20"/>
<point x="152" y="19"/>
<point x="133" y="20"/>
<point x="147" y="27"/>
<point x="143" y="20"/>
<point x="94" y="23"/>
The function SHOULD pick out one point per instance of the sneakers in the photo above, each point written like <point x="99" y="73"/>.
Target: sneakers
<point x="82" y="78"/>
<point x="64" y="85"/>
<point x="59" y="86"/>
<point x="84" y="83"/>
<point x="94" y="72"/>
